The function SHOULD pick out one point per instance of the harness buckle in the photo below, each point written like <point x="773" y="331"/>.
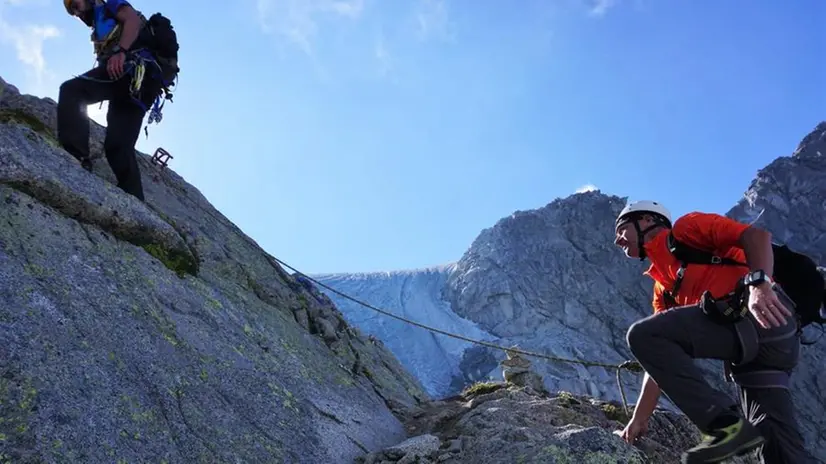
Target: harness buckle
<point x="726" y="310"/>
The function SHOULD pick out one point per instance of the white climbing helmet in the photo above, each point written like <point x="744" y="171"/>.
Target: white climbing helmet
<point x="643" y="206"/>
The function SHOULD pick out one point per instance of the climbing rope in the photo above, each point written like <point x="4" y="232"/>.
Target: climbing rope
<point x="630" y="366"/>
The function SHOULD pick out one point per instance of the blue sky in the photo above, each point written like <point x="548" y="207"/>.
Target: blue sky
<point x="362" y="135"/>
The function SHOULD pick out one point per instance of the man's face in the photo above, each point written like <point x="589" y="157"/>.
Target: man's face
<point x="627" y="238"/>
<point x="79" y="7"/>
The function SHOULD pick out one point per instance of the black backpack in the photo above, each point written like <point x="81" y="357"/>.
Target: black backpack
<point x="796" y="273"/>
<point x="160" y="37"/>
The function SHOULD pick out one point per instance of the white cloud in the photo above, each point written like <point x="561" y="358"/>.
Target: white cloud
<point x="351" y="9"/>
<point x="433" y="20"/>
<point x="600" y="7"/>
<point x="382" y="55"/>
<point x="587" y="188"/>
<point x="24" y="2"/>
<point x="297" y="21"/>
<point x="28" y="43"/>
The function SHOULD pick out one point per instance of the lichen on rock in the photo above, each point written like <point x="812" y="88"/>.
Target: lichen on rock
<point x="158" y="331"/>
<point x="19" y="116"/>
<point x="497" y="422"/>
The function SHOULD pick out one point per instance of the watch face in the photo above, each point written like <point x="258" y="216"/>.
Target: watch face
<point x="756" y="277"/>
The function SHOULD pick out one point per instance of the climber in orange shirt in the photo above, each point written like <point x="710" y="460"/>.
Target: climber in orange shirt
<point x="734" y="312"/>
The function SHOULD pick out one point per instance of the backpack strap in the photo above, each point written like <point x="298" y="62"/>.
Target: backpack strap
<point x="690" y="255"/>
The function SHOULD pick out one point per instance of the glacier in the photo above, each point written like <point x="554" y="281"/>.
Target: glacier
<point x="416" y="294"/>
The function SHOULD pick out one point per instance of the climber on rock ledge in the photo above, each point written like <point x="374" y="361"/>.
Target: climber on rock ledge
<point x="131" y="75"/>
<point x="720" y="309"/>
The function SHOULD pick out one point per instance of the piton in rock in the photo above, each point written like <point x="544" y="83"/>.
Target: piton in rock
<point x="549" y="280"/>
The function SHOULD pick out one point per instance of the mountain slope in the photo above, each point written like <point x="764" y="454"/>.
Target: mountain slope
<point x="159" y="332"/>
<point x="551" y="281"/>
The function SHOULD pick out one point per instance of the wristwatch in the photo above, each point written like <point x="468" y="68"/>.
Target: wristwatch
<point x="116" y="49"/>
<point x="757" y="277"/>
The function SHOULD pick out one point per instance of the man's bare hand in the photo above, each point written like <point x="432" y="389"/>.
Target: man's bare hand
<point x="766" y="307"/>
<point x="114" y="66"/>
<point x="636" y="428"/>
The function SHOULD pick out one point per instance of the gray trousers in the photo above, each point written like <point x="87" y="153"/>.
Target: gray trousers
<point x="666" y="343"/>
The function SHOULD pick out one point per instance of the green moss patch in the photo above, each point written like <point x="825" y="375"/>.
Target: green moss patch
<point x="567" y="399"/>
<point x="19" y="116"/>
<point x="615" y="413"/>
<point x="18" y="399"/>
<point x="480" y="388"/>
<point x="178" y="262"/>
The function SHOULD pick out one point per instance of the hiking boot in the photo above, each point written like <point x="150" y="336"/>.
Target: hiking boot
<point x="738" y="438"/>
<point x="85" y="161"/>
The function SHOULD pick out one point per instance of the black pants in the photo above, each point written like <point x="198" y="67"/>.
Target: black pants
<point x="123" y="121"/>
<point x="666" y="345"/>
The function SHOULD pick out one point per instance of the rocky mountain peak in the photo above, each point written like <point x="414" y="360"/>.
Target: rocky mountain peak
<point x="788" y="196"/>
<point x="531" y="266"/>
<point x="813" y="144"/>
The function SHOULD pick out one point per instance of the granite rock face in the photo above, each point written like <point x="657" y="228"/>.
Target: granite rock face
<point x="788" y="197"/>
<point x="159" y="332"/>
<point x="504" y="423"/>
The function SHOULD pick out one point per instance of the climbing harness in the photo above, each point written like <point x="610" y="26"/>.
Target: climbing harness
<point x="135" y="66"/>
<point x="137" y="78"/>
<point x="156" y="113"/>
<point x="101" y="45"/>
<point x="796" y="273"/>
<point x="631" y="366"/>
<point x="157" y="45"/>
<point x="731" y="308"/>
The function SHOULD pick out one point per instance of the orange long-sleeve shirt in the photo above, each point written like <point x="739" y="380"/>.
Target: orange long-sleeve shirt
<point x="706" y="231"/>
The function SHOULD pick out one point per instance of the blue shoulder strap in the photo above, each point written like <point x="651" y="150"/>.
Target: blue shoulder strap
<point x="105" y="17"/>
